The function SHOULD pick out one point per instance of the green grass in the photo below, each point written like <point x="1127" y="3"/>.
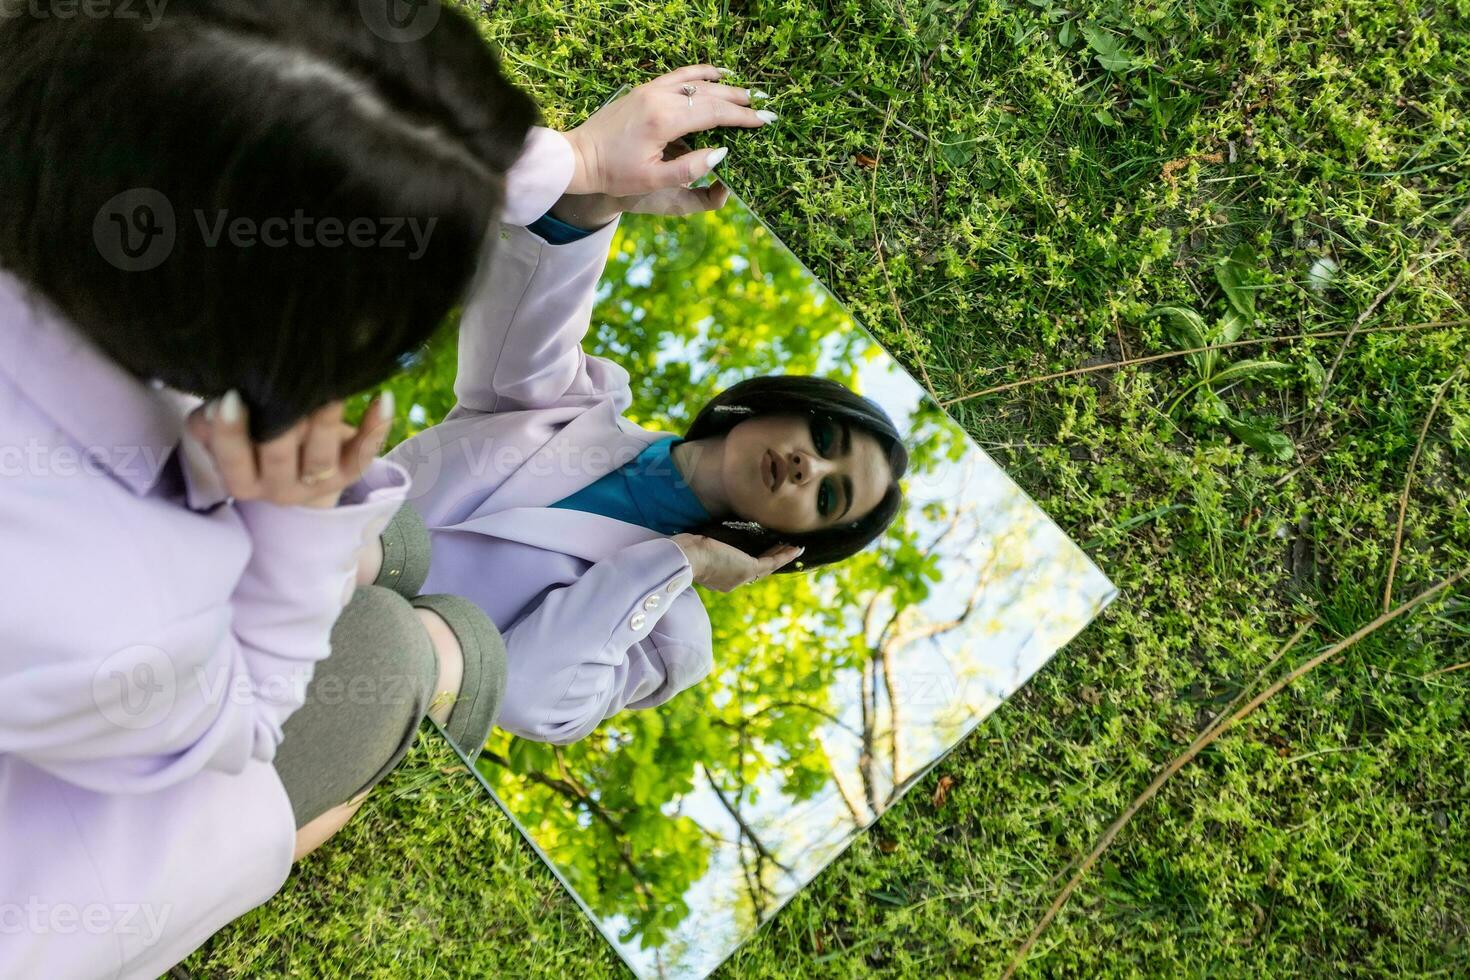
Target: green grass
<point x="1027" y="225"/>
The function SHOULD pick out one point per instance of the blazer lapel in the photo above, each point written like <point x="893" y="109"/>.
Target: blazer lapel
<point x="583" y="451"/>
<point x="590" y="537"/>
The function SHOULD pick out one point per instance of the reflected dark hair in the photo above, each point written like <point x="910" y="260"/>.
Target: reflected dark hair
<point x="809" y="397"/>
<point x="263" y="110"/>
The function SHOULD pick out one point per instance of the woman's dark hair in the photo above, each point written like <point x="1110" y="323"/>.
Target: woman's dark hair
<point x="809" y="397"/>
<point x="367" y="169"/>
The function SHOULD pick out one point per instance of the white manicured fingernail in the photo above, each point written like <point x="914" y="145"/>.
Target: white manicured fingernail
<point x="758" y="94"/>
<point x="210" y="407"/>
<point x="230" y="407"/>
<point x="724" y="71"/>
<point x="713" y="160"/>
<point x="767" y="116"/>
<point x="385" y="406"/>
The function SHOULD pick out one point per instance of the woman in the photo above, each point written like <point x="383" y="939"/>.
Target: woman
<point x="177" y="575"/>
<point x="579" y="532"/>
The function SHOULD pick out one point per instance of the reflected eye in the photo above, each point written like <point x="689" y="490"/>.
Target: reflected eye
<point x="823" y="435"/>
<point x="824" y="498"/>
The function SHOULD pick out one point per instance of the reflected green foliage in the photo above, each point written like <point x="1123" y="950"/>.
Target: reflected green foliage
<point x="690" y="306"/>
<point x="667" y="823"/>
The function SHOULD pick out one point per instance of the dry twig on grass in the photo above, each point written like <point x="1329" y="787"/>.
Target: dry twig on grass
<point x="1398" y="534"/>
<point x="1203" y="741"/>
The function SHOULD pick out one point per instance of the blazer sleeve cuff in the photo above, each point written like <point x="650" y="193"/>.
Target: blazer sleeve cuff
<point x="539" y="177"/>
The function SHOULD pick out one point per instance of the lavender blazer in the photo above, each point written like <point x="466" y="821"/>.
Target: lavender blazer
<point x="598" y="615"/>
<point x="155" y="638"/>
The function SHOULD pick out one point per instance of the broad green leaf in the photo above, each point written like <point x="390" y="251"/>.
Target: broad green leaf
<point x="1188" y="330"/>
<point x="1247" y="369"/>
<point x="1233" y="271"/>
<point x="957" y="154"/>
<point x="1110" y="51"/>
<point x="1232" y="324"/>
<point x="1315" y="371"/>
<point x="1105" y="117"/>
<point x="1262" y="440"/>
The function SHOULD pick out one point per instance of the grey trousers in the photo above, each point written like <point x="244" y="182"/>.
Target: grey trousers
<point x="363" y="705"/>
<point x="366" y="700"/>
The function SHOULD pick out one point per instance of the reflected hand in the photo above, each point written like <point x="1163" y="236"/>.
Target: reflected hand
<point x="620" y="149"/>
<point x="308" y="465"/>
<point x="724" y="567"/>
<point x="593" y="211"/>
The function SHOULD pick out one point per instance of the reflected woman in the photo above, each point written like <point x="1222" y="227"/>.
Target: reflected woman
<point x="581" y="533"/>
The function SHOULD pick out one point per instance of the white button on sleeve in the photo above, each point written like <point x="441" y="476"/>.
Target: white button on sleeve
<point x="638" y="621"/>
<point x="652" y="602"/>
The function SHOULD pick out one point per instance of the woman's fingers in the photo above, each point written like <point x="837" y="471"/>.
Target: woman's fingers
<point x="360" y="451"/>
<point x="730" y="93"/>
<point x="696" y="200"/>
<point x="234" y="453"/>
<point x="681" y="200"/>
<point x="693" y="73"/>
<point x="690" y="167"/>
<point x="709" y="113"/>
<point x="322" y="450"/>
<point x="777" y="557"/>
<point x="716" y="195"/>
<point x="279" y="462"/>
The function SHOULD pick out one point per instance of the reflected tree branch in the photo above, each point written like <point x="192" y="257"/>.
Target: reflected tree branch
<point x="847" y="801"/>
<point x="746" y="830"/>
<point x="773" y="705"/>
<point x="578" y="794"/>
<point x="867" y="697"/>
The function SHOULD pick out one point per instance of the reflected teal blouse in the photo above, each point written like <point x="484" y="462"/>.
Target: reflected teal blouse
<point x="647" y="491"/>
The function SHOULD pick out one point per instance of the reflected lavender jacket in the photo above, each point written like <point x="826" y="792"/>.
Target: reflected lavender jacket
<point x="598" y="615"/>
<point x="155" y="638"/>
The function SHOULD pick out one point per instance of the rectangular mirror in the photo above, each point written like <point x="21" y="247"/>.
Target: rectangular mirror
<point x="682" y="828"/>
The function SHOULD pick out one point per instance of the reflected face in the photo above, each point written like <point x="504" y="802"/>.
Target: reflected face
<point x="797" y="474"/>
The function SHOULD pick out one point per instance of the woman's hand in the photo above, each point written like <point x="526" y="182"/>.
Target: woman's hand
<point x="309" y="465"/>
<point x="724" y="567"/>
<point x="619" y="150"/>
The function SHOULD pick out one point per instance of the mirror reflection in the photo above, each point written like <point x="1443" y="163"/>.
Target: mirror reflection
<point x="639" y="424"/>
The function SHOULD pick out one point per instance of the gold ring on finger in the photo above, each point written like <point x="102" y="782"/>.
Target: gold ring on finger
<point x="312" y="479"/>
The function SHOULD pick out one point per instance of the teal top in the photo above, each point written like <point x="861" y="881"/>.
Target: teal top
<point x="647" y="491"/>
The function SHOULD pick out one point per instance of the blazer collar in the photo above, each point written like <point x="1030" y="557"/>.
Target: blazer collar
<point x="591" y="537"/>
<point x="124" y="426"/>
<point x="583" y="451"/>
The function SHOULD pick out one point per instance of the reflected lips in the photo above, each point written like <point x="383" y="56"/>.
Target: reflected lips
<point x="773" y="471"/>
